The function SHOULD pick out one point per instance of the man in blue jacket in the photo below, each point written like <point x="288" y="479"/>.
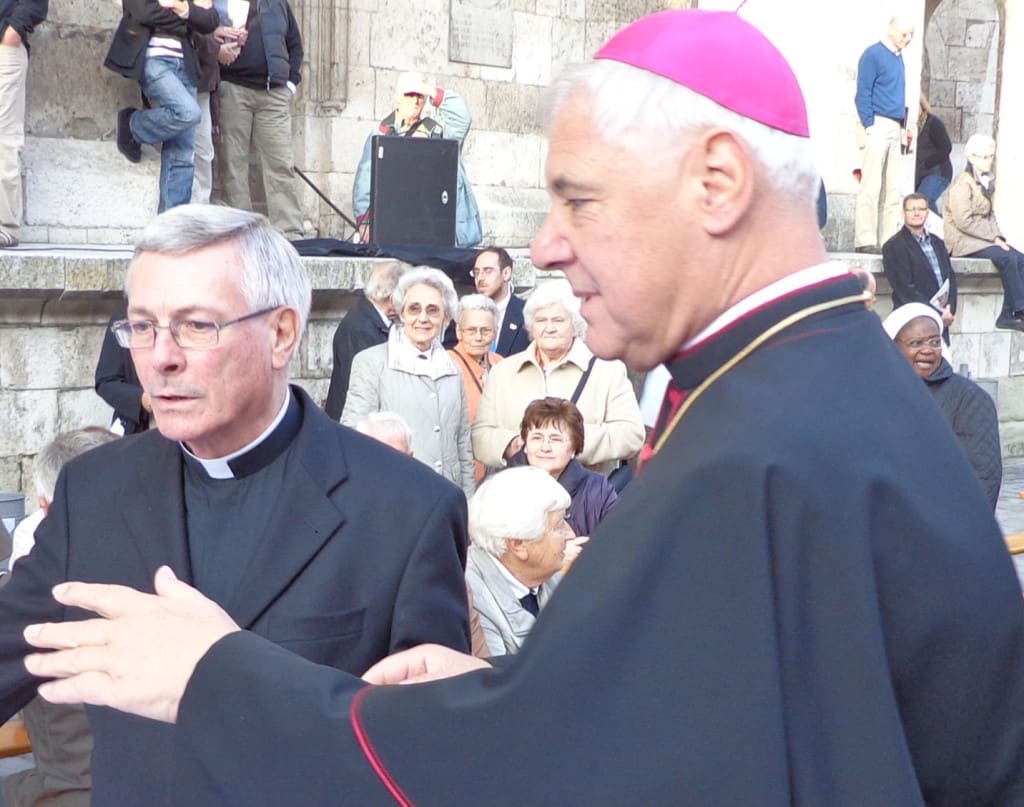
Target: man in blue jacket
<point x="17" y="20"/>
<point x="882" y="108"/>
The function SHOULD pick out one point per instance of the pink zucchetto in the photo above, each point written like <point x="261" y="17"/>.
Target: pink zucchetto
<point x="719" y="55"/>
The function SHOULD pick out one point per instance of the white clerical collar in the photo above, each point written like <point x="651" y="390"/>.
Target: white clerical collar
<point x="219" y="467"/>
<point x="771" y="292"/>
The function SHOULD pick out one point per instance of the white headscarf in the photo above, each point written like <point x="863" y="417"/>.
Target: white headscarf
<point x="895" y="322"/>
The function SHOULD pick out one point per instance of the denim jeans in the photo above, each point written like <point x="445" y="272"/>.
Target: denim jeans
<point x="1010" y="264"/>
<point x="171" y="121"/>
<point x="932" y="186"/>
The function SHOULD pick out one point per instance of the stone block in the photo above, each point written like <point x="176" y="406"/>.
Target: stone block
<point x="79" y="311"/>
<point x="1011" y="400"/>
<point x="980" y="34"/>
<point x="547" y="8"/>
<point x="108" y="235"/>
<point x="950" y="27"/>
<point x="513" y="108"/>
<point x="511" y="216"/>
<point x="994" y="356"/>
<point x="30" y="420"/>
<point x="531" y="49"/>
<point x="78" y="408"/>
<point x="319" y="349"/>
<point x="316" y="387"/>
<point x="943" y="94"/>
<point x="78" y="183"/>
<point x="567" y="38"/>
<point x="1011" y="435"/>
<point x="838" y="232"/>
<point x="968" y="95"/>
<point x="966" y="349"/>
<point x="976" y="313"/>
<point x="102" y="14"/>
<point x="597" y="33"/>
<point x="968" y="64"/>
<point x="362" y="94"/>
<point x="489" y="159"/>
<point x="574" y="10"/>
<point x="92" y="275"/>
<point x="423" y="35"/>
<point x="31" y="273"/>
<point x="11" y="478"/>
<point x="38" y="358"/>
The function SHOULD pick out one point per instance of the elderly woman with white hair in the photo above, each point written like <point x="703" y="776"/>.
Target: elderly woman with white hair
<point x="412" y="375"/>
<point x="916" y="329"/>
<point x="970" y="228"/>
<point x="518" y="532"/>
<point x="558" y="363"/>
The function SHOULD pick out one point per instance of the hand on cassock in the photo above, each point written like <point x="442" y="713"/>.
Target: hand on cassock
<point x="138" y="657"/>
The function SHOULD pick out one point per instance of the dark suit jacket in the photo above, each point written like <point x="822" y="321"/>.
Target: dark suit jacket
<point x="145" y="18"/>
<point x="513" y="338"/>
<point x="118" y="384"/>
<point x="909" y="273"/>
<point x="342" y="577"/>
<point x="360" y="328"/>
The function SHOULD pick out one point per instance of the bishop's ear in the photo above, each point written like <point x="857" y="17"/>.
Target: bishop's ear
<point x="727" y="179"/>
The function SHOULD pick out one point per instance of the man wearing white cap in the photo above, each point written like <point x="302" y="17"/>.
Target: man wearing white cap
<point x="412" y="92"/>
<point x="782" y="612"/>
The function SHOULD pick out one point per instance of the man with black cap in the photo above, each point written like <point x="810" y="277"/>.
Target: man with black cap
<point x="781" y="611"/>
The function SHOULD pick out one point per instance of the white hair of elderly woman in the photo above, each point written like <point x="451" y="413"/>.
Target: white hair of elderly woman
<point x="979" y="145"/>
<point x="555" y="292"/>
<point x="426" y="276"/>
<point x="477" y="302"/>
<point x="514" y="503"/>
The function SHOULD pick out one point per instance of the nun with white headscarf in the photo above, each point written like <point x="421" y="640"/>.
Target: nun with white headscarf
<point x="916" y="329"/>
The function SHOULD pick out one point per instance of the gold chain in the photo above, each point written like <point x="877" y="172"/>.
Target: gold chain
<point x="792" y="319"/>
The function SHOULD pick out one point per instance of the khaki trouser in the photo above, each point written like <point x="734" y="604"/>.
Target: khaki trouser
<point x="264" y="118"/>
<point x="13" y="69"/>
<point x="202" y="180"/>
<point x="879" y="185"/>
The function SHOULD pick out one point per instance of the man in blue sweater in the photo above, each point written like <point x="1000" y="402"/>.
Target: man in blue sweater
<point x="882" y="108"/>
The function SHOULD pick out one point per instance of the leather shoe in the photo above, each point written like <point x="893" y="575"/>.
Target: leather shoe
<point x="871" y="249"/>
<point x="1014" y="323"/>
<point x="126" y="144"/>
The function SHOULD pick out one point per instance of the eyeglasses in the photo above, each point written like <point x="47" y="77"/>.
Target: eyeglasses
<point x="432" y="311"/>
<point x="917" y="344"/>
<point x="194" y="334"/>
<point x="486" y="333"/>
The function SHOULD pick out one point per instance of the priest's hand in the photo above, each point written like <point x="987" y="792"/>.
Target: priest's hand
<point x="425" y="662"/>
<point x="138" y="657"/>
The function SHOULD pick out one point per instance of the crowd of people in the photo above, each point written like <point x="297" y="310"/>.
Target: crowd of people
<point x="804" y="582"/>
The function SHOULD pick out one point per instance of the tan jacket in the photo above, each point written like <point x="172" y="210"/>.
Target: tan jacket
<point x="968" y="222"/>
<point x="613" y="427"/>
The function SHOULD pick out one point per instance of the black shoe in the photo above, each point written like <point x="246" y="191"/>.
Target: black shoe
<point x="1008" y="323"/>
<point x="871" y="249"/>
<point x="127" y="144"/>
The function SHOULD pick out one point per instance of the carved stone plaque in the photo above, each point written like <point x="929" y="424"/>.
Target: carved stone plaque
<point x="480" y="32"/>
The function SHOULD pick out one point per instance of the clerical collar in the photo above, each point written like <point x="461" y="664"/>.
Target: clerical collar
<point x="261" y="451"/>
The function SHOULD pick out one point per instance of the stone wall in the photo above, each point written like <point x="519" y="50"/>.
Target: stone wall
<point x="80" y="190"/>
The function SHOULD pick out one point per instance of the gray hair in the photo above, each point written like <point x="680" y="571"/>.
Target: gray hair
<point x="388" y="427"/>
<point x="555" y="292"/>
<point x="272" y="274"/>
<point x="978" y="144"/>
<point x="426" y="276"/>
<point x="60" y="451"/>
<point x="383" y="279"/>
<point x="514" y="503"/>
<point x="628" y="104"/>
<point x="477" y="302"/>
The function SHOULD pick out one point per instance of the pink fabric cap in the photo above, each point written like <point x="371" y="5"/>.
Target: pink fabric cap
<point x="719" y="55"/>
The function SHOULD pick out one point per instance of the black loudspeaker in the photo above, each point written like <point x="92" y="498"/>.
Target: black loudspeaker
<point x="413" y="184"/>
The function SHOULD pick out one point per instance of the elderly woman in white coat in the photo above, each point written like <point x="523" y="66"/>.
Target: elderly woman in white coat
<point x="519" y="533"/>
<point x="412" y="374"/>
<point x="554" y="364"/>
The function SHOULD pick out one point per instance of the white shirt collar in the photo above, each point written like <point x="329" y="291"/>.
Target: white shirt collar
<point x="218" y="467"/>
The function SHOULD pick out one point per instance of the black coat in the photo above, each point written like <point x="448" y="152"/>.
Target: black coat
<point x="23" y="16"/>
<point x="272" y="55"/>
<point x="142" y="19"/>
<point x="803" y="598"/>
<point x="342" y="577"/>
<point x="909" y="273"/>
<point x="592" y="495"/>
<point x="933" y="150"/>
<point x="972" y="415"/>
<point x="360" y="328"/>
<point x="117" y="383"/>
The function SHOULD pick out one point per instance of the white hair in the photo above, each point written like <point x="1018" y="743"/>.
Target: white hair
<point x="514" y="503"/>
<point x="978" y="144"/>
<point x="638" y="110"/>
<point x="387" y="427"/>
<point x="555" y="292"/>
<point x="426" y="276"/>
<point x="60" y="451"/>
<point x="271" y="272"/>
<point x="383" y="279"/>
<point x="477" y="302"/>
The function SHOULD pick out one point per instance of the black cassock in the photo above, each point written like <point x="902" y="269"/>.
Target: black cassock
<point x="803" y="599"/>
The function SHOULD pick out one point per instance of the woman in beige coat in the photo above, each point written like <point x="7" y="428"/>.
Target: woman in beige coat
<point x="971" y="230"/>
<point x="552" y="365"/>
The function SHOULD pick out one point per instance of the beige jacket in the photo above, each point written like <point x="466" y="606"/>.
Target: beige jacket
<point x="613" y="427"/>
<point x="968" y="222"/>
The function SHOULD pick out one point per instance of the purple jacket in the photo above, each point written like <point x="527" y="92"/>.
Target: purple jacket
<point x="592" y="497"/>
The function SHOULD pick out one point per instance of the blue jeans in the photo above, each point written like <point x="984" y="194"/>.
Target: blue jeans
<point x="1010" y="264"/>
<point x="932" y="186"/>
<point x="172" y="121"/>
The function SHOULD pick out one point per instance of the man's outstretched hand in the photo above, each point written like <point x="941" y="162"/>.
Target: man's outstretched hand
<point x="138" y="657"/>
